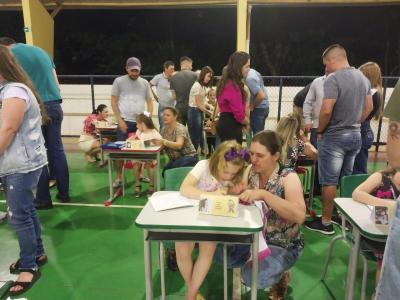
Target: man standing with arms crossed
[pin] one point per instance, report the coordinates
(259, 106)
(162, 83)
(347, 101)
(129, 96)
(181, 83)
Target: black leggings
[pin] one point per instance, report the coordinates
(229, 129)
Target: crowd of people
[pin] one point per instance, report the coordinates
(335, 108)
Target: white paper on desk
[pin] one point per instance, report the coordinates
(168, 200)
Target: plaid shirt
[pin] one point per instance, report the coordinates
(187, 148)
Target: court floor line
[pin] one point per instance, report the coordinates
(92, 205)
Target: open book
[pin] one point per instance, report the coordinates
(168, 200)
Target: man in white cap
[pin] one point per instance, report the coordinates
(129, 95)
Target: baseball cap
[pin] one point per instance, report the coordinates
(133, 63)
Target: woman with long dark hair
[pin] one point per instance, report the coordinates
(232, 98)
(197, 106)
(22, 158)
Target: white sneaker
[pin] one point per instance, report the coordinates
(3, 216)
(117, 183)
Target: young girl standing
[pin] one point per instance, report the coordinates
(289, 129)
(146, 132)
(380, 189)
(224, 168)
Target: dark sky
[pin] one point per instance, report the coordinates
(284, 41)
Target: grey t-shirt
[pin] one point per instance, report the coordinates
(162, 85)
(349, 87)
(132, 96)
(181, 83)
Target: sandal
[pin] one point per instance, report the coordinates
(25, 285)
(150, 190)
(138, 190)
(15, 267)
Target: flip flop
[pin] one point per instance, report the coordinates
(25, 285)
(14, 268)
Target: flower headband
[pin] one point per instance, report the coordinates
(233, 154)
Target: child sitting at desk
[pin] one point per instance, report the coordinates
(380, 189)
(88, 142)
(224, 168)
(146, 132)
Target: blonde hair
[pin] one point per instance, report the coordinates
(372, 71)
(218, 161)
(288, 128)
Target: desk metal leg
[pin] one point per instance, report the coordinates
(101, 148)
(311, 193)
(110, 182)
(254, 271)
(161, 262)
(158, 171)
(225, 272)
(147, 267)
(352, 268)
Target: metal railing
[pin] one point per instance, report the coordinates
(285, 88)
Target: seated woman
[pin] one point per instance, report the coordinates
(176, 142)
(212, 176)
(281, 191)
(88, 141)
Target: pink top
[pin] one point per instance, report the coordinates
(88, 126)
(231, 101)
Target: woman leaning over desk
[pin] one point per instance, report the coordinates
(282, 192)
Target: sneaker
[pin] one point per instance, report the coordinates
(3, 216)
(117, 183)
(316, 225)
(145, 179)
(63, 199)
(171, 260)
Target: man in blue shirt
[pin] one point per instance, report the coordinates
(259, 106)
(41, 70)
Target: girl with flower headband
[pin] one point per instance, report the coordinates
(213, 176)
(380, 189)
(146, 131)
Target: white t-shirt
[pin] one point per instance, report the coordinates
(206, 182)
(197, 90)
(17, 92)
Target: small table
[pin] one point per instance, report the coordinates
(186, 224)
(107, 131)
(358, 214)
(147, 153)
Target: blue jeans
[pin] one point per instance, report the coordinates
(270, 269)
(160, 115)
(361, 160)
(55, 155)
(131, 128)
(389, 288)
(20, 190)
(336, 154)
(184, 161)
(195, 126)
(257, 122)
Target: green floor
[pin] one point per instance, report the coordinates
(96, 252)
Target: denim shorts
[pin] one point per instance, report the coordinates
(122, 136)
(336, 154)
(270, 269)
